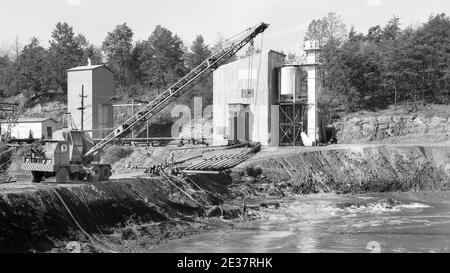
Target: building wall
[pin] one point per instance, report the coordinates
(250, 82)
(98, 87)
(21, 130)
(49, 123)
(102, 106)
(75, 79)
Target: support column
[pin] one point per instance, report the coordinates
(313, 121)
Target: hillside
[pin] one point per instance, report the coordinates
(404, 125)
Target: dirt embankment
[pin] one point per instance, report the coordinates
(136, 214)
(429, 125)
(357, 169)
(125, 215)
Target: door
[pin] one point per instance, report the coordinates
(49, 132)
(233, 126)
(247, 126)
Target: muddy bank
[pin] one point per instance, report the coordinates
(356, 169)
(115, 213)
(137, 214)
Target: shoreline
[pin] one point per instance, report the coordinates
(140, 213)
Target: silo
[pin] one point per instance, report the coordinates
(290, 107)
(289, 81)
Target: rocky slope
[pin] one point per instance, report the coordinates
(429, 125)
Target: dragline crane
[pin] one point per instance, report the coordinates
(72, 155)
(217, 59)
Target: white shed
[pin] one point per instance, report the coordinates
(25, 128)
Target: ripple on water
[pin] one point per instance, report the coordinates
(378, 206)
(337, 223)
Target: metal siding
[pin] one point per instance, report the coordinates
(98, 87)
(276, 61)
(102, 106)
(228, 82)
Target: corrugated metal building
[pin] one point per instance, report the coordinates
(25, 128)
(245, 95)
(96, 83)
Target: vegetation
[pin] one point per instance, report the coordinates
(142, 69)
(386, 66)
(115, 153)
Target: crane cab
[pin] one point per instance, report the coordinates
(64, 157)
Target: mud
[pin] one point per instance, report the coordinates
(138, 214)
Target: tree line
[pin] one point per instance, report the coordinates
(387, 65)
(142, 68)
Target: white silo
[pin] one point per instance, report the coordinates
(289, 81)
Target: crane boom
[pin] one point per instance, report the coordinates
(184, 84)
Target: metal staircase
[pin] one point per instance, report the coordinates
(184, 84)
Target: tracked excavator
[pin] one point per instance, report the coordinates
(72, 155)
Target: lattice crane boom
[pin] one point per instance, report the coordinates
(184, 84)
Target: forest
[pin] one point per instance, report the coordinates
(386, 66)
(390, 64)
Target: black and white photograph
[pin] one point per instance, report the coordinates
(242, 128)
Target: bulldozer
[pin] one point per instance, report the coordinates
(64, 157)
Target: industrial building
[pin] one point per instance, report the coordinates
(88, 91)
(26, 128)
(243, 92)
(261, 99)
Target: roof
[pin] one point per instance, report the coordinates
(29, 120)
(88, 67)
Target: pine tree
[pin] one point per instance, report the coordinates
(198, 53)
(118, 46)
(34, 73)
(65, 52)
(162, 58)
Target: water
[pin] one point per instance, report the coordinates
(392, 222)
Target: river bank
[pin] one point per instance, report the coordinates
(141, 213)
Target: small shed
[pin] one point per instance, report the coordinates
(90, 87)
(26, 128)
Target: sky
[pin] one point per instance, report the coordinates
(288, 19)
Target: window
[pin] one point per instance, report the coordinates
(247, 93)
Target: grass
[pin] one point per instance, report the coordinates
(116, 153)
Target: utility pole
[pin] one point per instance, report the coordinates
(82, 96)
